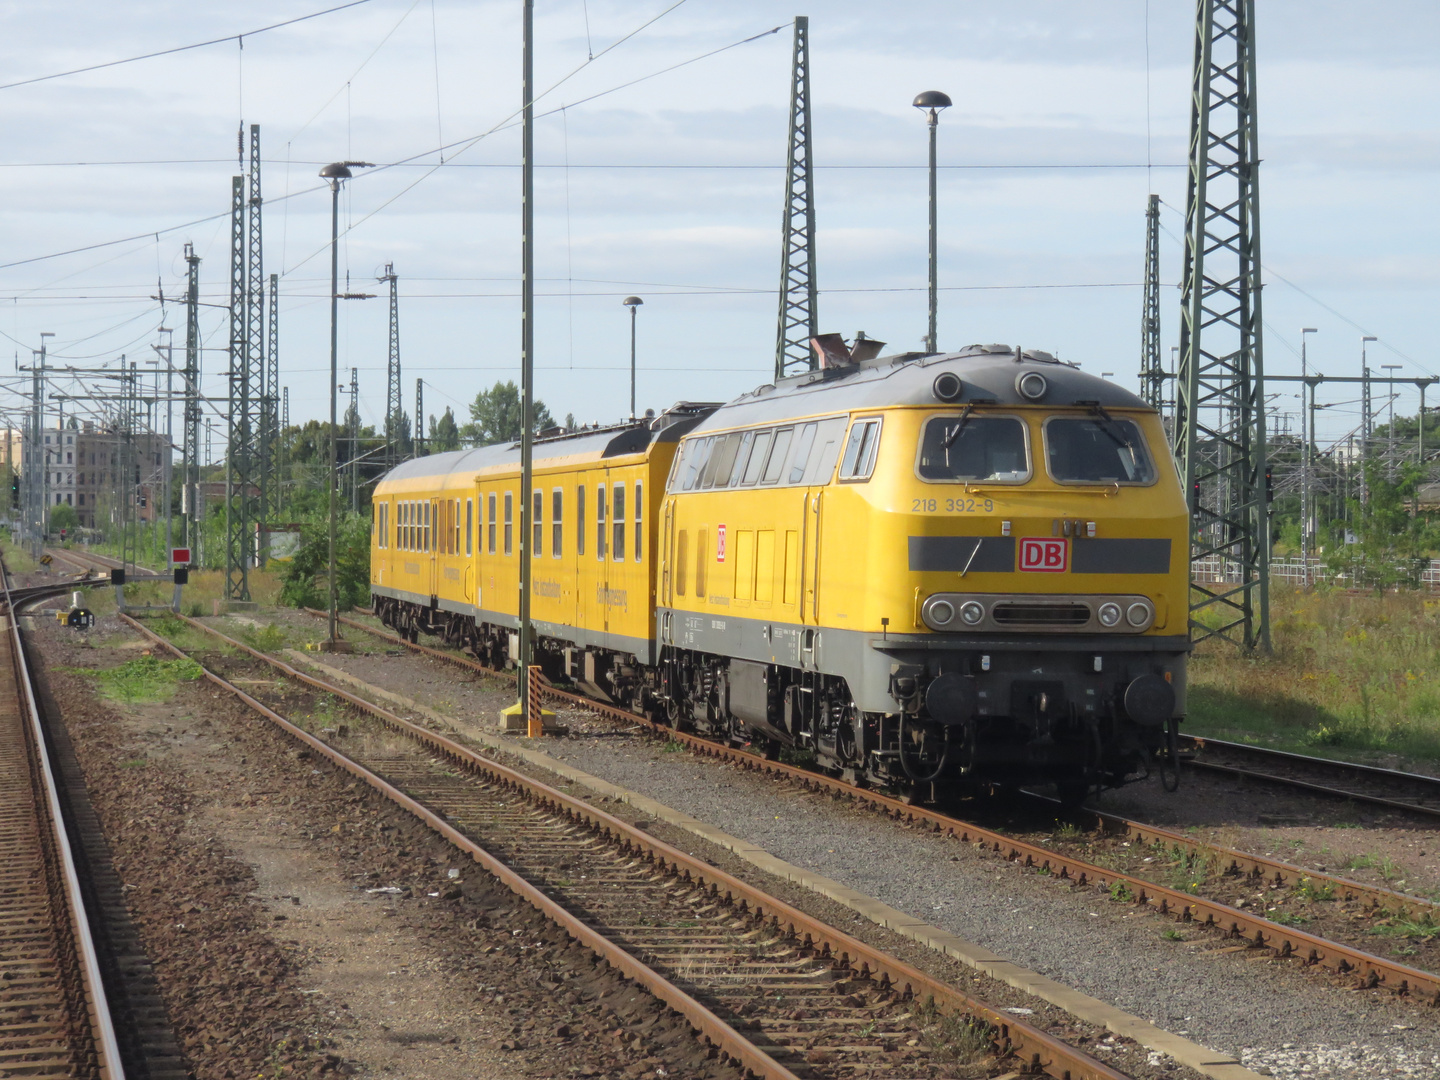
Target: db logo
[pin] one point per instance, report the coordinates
(1045, 556)
(720, 544)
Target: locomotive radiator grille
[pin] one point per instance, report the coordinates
(1047, 614)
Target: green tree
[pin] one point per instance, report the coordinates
(63, 517)
(444, 433)
(304, 577)
(1391, 545)
(495, 416)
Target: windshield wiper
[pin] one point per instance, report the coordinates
(1110, 426)
(954, 433)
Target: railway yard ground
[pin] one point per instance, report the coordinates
(299, 924)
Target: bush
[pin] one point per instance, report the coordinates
(305, 578)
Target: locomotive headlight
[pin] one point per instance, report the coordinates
(941, 612)
(1109, 613)
(972, 611)
(1139, 613)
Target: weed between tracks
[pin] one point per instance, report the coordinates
(146, 678)
(1355, 676)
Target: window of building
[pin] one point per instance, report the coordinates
(82, 498)
(639, 516)
(599, 521)
(69, 458)
(617, 506)
(537, 526)
(68, 501)
(509, 504)
(579, 519)
(557, 514)
(469, 526)
(490, 528)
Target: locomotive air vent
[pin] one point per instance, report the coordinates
(947, 386)
(1058, 613)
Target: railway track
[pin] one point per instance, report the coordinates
(54, 1014)
(781, 993)
(1413, 793)
(1069, 862)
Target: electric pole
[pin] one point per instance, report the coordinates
(799, 321)
(419, 436)
(191, 503)
(1152, 375)
(1220, 399)
(393, 406)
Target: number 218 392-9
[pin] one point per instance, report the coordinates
(952, 506)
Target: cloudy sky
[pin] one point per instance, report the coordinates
(1066, 116)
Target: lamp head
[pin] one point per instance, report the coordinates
(632, 302)
(934, 100)
(337, 170)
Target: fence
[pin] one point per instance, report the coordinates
(1291, 571)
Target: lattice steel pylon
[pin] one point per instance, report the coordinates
(393, 405)
(190, 499)
(270, 409)
(239, 463)
(252, 395)
(799, 319)
(1219, 404)
(1152, 375)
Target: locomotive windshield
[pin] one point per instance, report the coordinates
(1097, 450)
(968, 447)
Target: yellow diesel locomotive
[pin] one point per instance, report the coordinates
(942, 572)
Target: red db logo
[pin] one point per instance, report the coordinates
(1045, 556)
(720, 544)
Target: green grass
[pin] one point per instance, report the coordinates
(1350, 676)
(146, 678)
(267, 639)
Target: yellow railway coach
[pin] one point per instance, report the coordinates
(951, 570)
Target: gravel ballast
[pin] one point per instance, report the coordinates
(1273, 1016)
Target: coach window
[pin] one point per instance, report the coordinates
(455, 548)
(859, 460)
(600, 521)
(537, 521)
(639, 516)
(509, 514)
(617, 509)
(426, 543)
(1096, 450)
(579, 519)
(777, 455)
(557, 520)
(490, 524)
(469, 526)
(400, 521)
(757, 458)
(969, 448)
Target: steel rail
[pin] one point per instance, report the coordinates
(1389, 777)
(1259, 868)
(1288, 942)
(1033, 1046)
(108, 1061)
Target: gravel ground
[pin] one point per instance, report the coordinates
(301, 925)
(1267, 1013)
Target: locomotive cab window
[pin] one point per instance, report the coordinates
(1097, 450)
(859, 460)
(965, 447)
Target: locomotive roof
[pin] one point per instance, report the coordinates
(988, 373)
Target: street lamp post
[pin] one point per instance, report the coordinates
(934, 101)
(335, 173)
(633, 303)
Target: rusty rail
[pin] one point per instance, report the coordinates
(56, 1020)
(1034, 1047)
(1288, 942)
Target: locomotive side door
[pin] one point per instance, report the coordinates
(667, 549)
(810, 548)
